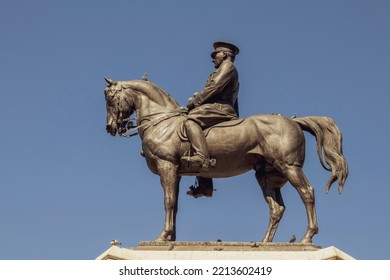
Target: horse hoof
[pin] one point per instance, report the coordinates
(306, 241)
(165, 236)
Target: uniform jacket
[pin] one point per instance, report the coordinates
(221, 87)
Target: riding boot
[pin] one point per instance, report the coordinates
(201, 159)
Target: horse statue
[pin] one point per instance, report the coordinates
(271, 145)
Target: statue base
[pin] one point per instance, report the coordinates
(153, 250)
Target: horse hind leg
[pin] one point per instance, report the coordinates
(299, 181)
(271, 184)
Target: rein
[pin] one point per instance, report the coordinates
(167, 115)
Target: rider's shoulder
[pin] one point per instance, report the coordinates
(227, 65)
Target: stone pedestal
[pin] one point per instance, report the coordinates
(152, 250)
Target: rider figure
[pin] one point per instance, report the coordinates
(216, 103)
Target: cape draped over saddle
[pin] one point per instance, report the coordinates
(159, 117)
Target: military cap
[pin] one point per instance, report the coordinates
(226, 47)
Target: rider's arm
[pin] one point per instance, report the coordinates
(215, 84)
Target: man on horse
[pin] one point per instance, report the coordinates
(216, 103)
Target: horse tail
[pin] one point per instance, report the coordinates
(329, 144)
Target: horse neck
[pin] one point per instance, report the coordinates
(151, 100)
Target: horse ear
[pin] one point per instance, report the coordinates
(110, 82)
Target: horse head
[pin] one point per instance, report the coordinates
(124, 97)
(120, 106)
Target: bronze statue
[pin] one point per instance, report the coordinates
(271, 145)
(216, 103)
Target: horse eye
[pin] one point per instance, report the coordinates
(110, 96)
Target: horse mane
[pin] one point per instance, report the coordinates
(146, 86)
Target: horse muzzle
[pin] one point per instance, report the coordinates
(111, 128)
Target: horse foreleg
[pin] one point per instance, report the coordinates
(170, 184)
(301, 184)
(270, 185)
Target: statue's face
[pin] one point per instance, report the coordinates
(218, 59)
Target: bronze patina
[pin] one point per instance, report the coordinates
(271, 145)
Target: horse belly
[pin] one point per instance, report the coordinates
(233, 148)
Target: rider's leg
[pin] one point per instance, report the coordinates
(201, 158)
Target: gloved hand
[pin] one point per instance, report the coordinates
(194, 101)
(191, 103)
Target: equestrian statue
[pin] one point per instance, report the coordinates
(208, 140)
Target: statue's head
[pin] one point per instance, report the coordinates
(119, 107)
(222, 51)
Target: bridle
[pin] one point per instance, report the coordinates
(125, 107)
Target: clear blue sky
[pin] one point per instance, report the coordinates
(68, 188)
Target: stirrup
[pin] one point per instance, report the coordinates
(199, 191)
